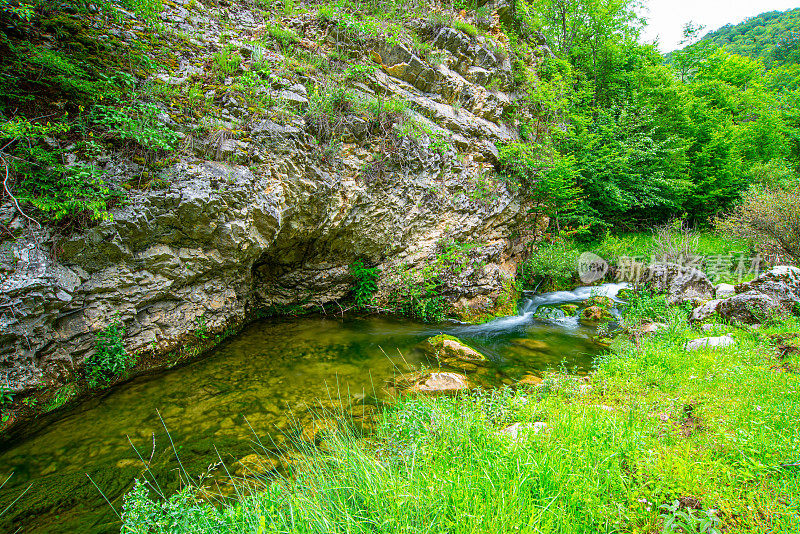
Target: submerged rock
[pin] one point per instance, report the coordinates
(452, 352)
(431, 383)
(318, 427)
(536, 345)
(256, 464)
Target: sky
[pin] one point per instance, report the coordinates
(667, 17)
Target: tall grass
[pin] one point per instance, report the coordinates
(664, 440)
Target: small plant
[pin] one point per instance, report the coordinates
(110, 359)
(679, 520)
(366, 283)
(465, 27)
(226, 62)
(359, 72)
(6, 396)
(201, 332)
(138, 123)
(285, 37)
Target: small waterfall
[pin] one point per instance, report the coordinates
(531, 304)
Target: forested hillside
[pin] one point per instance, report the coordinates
(771, 36)
(638, 141)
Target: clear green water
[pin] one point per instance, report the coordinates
(271, 375)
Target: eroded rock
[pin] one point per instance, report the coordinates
(680, 283)
(773, 293)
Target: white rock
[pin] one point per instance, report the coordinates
(516, 430)
(724, 290)
(710, 342)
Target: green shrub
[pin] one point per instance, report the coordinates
(359, 72)
(548, 179)
(59, 191)
(366, 283)
(110, 360)
(551, 266)
(138, 123)
(768, 217)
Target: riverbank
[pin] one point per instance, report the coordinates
(662, 439)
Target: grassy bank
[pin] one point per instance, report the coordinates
(662, 441)
(551, 265)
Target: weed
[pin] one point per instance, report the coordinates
(110, 360)
(226, 62)
(366, 283)
(6, 396)
(678, 519)
(201, 331)
(285, 37)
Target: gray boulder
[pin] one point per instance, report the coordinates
(775, 292)
(681, 283)
(704, 311)
(781, 282)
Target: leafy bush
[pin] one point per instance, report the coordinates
(768, 216)
(110, 359)
(59, 191)
(366, 283)
(548, 179)
(138, 123)
(551, 266)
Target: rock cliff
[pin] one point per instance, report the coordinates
(271, 200)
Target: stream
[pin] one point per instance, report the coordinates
(256, 389)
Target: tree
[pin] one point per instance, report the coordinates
(769, 217)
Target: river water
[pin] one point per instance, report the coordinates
(255, 391)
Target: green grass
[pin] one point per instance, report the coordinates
(715, 429)
(645, 245)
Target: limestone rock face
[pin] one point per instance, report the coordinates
(681, 283)
(263, 214)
